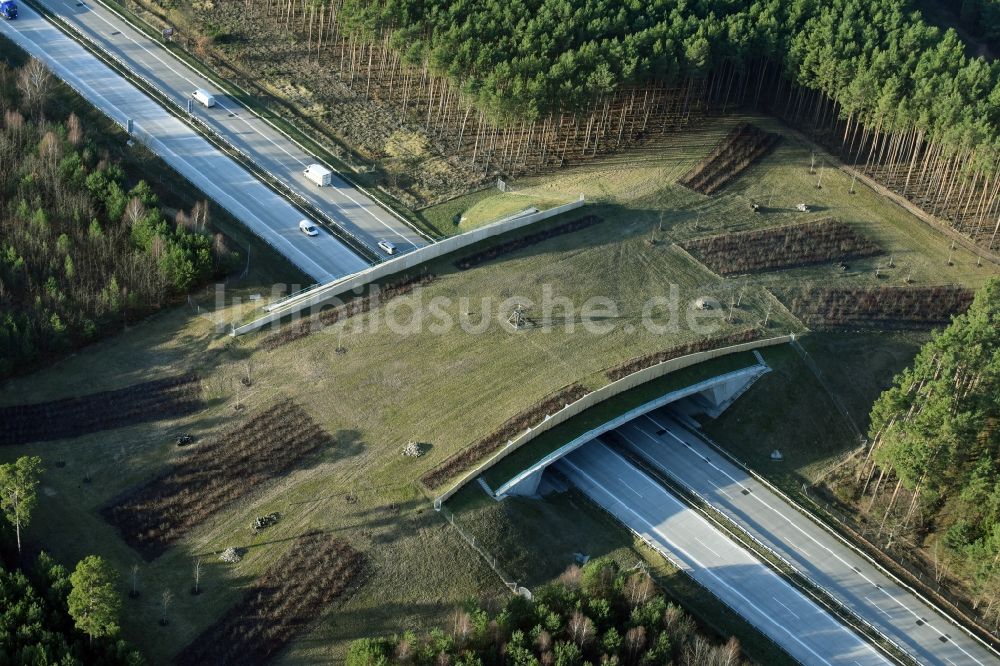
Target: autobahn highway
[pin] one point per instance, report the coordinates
(813, 550)
(271, 150)
(805, 630)
(263, 211)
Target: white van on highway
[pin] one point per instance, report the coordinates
(318, 174)
(202, 96)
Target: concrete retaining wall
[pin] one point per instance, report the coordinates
(602, 394)
(322, 293)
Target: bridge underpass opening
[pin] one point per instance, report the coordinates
(709, 397)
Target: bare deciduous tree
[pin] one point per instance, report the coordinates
(698, 652)
(134, 211)
(461, 627)
(134, 593)
(199, 216)
(197, 577)
(678, 624)
(165, 598)
(571, 577)
(50, 150)
(581, 629)
(74, 130)
(13, 121)
(938, 569)
(219, 246)
(35, 83)
(404, 651)
(639, 588)
(247, 378)
(729, 654)
(635, 642)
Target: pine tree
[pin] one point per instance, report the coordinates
(94, 602)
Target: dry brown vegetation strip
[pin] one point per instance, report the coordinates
(212, 475)
(877, 307)
(781, 247)
(517, 244)
(641, 362)
(315, 571)
(354, 307)
(744, 145)
(72, 417)
(531, 417)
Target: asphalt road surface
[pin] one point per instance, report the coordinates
(816, 553)
(266, 213)
(271, 150)
(805, 630)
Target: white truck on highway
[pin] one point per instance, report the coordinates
(318, 174)
(202, 96)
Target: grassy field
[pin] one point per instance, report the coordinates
(789, 409)
(442, 388)
(778, 184)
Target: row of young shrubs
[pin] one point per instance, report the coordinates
(352, 308)
(316, 571)
(744, 145)
(214, 475)
(514, 426)
(704, 344)
(781, 247)
(877, 308)
(518, 244)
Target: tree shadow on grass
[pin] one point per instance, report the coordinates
(382, 620)
(346, 443)
(619, 223)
